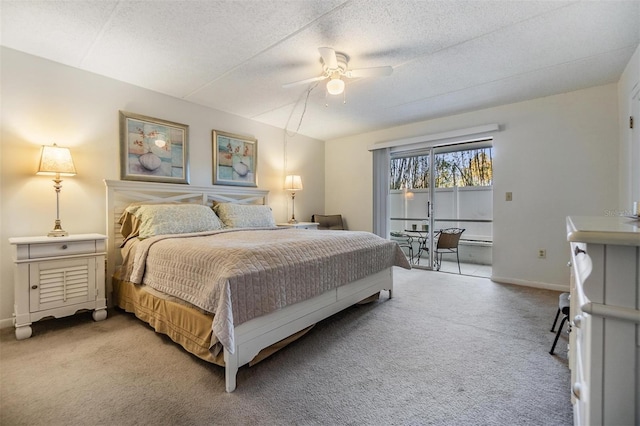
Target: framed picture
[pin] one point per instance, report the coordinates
(153, 150)
(235, 159)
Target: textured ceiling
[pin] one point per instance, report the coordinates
(447, 56)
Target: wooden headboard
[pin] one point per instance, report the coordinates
(121, 193)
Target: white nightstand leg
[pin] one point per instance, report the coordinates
(99, 314)
(23, 332)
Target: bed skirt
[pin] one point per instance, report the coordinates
(185, 325)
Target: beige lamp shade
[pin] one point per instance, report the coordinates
(293, 183)
(56, 160)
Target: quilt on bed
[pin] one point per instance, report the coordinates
(240, 274)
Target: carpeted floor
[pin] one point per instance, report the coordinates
(446, 350)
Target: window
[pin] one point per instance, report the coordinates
(454, 168)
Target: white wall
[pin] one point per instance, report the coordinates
(44, 102)
(558, 155)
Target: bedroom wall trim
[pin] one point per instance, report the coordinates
(534, 284)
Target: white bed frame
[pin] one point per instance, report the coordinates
(254, 335)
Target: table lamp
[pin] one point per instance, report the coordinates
(293, 183)
(56, 161)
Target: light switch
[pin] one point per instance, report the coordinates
(509, 196)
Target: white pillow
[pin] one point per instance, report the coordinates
(245, 215)
(174, 219)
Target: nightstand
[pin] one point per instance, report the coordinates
(57, 276)
(299, 225)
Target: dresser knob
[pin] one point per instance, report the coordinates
(576, 389)
(64, 247)
(577, 320)
(33, 287)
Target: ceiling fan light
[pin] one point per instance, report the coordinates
(335, 86)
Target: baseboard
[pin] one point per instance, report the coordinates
(534, 284)
(6, 323)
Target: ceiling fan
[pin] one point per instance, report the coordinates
(335, 67)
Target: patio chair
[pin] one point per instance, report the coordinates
(331, 221)
(448, 240)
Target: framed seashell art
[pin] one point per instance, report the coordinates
(153, 150)
(235, 159)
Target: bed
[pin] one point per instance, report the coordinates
(230, 287)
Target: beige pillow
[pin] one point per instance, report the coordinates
(245, 215)
(161, 219)
(130, 225)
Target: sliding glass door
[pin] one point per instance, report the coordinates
(442, 187)
(411, 221)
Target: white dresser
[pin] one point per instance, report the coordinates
(604, 348)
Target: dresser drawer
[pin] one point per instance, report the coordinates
(61, 248)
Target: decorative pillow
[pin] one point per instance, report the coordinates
(245, 215)
(160, 219)
(130, 225)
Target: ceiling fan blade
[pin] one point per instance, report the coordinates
(306, 81)
(370, 72)
(328, 57)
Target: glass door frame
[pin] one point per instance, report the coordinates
(428, 239)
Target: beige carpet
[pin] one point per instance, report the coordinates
(446, 350)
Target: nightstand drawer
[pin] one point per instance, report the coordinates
(61, 249)
(307, 226)
(299, 225)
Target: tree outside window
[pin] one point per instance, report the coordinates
(472, 167)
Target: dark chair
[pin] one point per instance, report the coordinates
(563, 307)
(448, 240)
(404, 241)
(331, 221)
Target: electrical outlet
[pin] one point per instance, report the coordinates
(509, 196)
(542, 254)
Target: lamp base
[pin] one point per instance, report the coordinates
(293, 220)
(57, 230)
